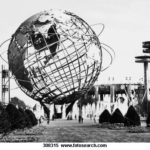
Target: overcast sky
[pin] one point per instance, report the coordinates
(127, 25)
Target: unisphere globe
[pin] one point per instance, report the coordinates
(55, 56)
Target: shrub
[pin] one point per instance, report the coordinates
(117, 117)
(105, 116)
(132, 118)
(17, 102)
(32, 117)
(146, 106)
(136, 130)
(26, 120)
(1, 108)
(148, 120)
(5, 124)
(14, 117)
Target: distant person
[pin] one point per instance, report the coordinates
(53, 117)
(48, 120)
(40, 120)
(91, 116)
(75, 117)
(94, 118)
(80, 119)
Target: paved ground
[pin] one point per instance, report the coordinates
(72, 131)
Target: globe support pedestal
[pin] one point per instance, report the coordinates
(80, 113)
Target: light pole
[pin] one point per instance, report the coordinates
(112, 92)
(145, 59)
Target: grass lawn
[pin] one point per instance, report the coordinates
(72, 131)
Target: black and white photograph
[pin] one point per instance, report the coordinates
(75, 72)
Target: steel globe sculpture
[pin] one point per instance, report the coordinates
(55, 56)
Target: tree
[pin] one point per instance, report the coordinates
(105, 116)
(32, 117)
(25, 119)
(14, 117)
(17, 102)
(87, 99)
(117, 117)
(132, 118)
(5, 124)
